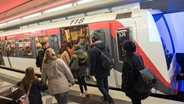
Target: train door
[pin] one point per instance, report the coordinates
(54, 43)
(127, 32)
(103, 30)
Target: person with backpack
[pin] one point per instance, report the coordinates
(39, 58)
(96, 67)
(130, 72)
(81, 57)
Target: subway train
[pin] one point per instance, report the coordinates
(154, 44)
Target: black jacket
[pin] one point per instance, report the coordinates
(95, 63)
(130, 72)
(35, 92)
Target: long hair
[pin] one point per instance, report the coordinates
(49, 56)
(62, 49)
(28, 78)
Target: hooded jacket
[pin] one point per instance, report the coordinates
(95, 63)
(82, 57)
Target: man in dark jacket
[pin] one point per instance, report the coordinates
(96, 68)
(40, 55)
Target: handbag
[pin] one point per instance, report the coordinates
(145, 79)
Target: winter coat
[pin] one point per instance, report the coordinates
(82, 57)
(129, 76)
(95, 62)
(58, 74)
(35, 92)
(65, 56)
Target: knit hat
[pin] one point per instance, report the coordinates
(129, 46)
(95, 36)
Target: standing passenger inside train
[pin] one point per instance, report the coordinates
(39, 58)
(83, 42)
(81, 57)
(69, 46)
(96, 68)
(130, 64)
(57, 74)
(1, 58)
(64, 54)
(69, 43)
(32, 87)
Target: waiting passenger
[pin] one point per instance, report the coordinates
(83, 42)
(1, 58)
(32, 87)
(129, 76)
(81, 57)
(69, 43)
(64, 54)
(96, 68)
(39, 58)
(57, 73)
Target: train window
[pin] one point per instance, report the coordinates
(10, 47)
(39, 40)
(25, 47)
(122, 35)
(54, 43)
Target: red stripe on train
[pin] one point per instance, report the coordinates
(35, 33)
(148, 63)
(112, 25)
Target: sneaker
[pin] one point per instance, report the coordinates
(86, 94)
(82, 95)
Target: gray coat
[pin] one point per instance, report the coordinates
(57, 73)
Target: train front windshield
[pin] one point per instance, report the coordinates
(165, 36)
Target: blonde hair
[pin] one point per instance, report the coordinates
(49, 56)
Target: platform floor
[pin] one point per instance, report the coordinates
(74, 98)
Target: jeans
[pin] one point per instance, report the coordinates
(102, 84)
(82, 83)
(62, 98)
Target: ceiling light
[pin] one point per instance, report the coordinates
(58, 8)
(2, 24)
(14, 20)
(32, 15)
(84, 1)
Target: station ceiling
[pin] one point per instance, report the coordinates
(12, 9)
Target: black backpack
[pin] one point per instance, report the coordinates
(106, 59)
(39, 58)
